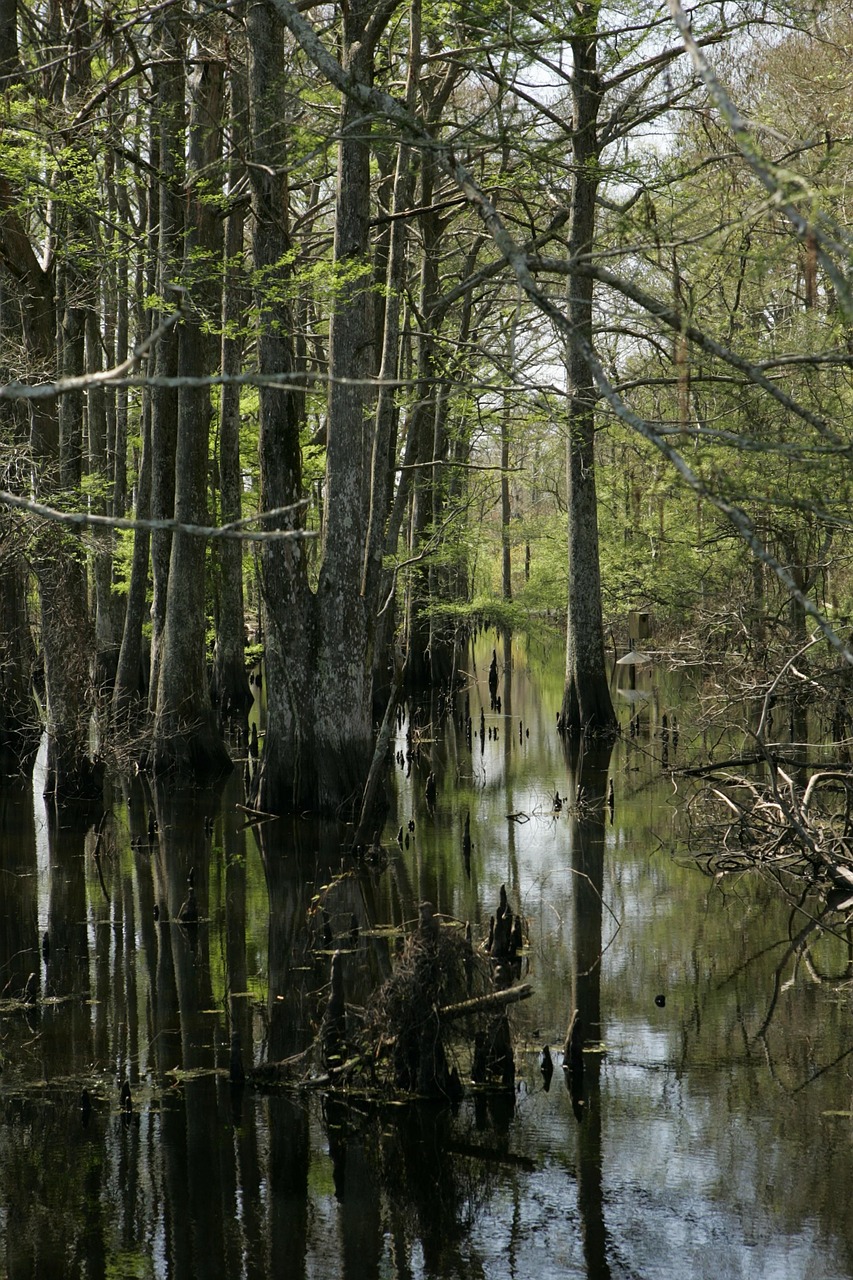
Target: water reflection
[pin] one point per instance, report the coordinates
(709, 1135)
(588, 776)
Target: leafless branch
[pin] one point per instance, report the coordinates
(236, 530)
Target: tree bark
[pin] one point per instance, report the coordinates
(186, 739)
(106, 645)
(343, 704)
(128, 686)
(169, 135)
(133, 668)
(19, 728)
(587, 706)
(285, 781)
(230, 681)
(319, 647)
(63, 590)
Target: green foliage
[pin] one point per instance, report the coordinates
(122, 561)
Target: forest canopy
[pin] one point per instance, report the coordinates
(329, 332)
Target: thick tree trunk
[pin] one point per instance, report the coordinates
(587, 706)
(9, 61)
(186, 738)
(67, 648)
(67, 641)
(319, 652)
(286, 779)
(387, 409)
(431, 641)
(343, 703)
(57, 557)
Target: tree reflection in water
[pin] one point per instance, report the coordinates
(688, 1117)
(588, 768)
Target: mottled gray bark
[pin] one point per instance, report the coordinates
(286, 778)
(133, 669)
(169, 131)
(19, 730)
(421, 437)
(66, 636)
(186, 740)
(106, 643)
(587, 706)
(230, 681)
(429, 639)
(343, 707)
(9, 60)
(320, 646)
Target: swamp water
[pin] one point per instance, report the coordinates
(713, 1135)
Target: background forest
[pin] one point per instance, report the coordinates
(341, 336)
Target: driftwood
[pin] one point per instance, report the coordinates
(444, 998)
(484, 1004)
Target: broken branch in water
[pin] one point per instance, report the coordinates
(482, 1004)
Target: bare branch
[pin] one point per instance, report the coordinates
(236, 530)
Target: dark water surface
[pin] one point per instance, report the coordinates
(713, 1137)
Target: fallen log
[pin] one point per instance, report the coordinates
(483, 1004)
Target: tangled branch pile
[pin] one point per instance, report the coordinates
(801, 827)
(440, 1017)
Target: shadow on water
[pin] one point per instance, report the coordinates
(152, 957)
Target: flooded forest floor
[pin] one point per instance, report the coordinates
(188, 1087)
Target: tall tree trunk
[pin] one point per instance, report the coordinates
(506, 511)
(430, 641)
(343, 704)
(132, 670)
(106, 646)
(320, 648)
(587, 706)
(19, 729)
(186, 738)
(10, 66)
(286, 779)
(419, 634)
(128, 681)
(61, 570)
(383, 465)
(170, 143)
(57, 556)
(230, 681)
